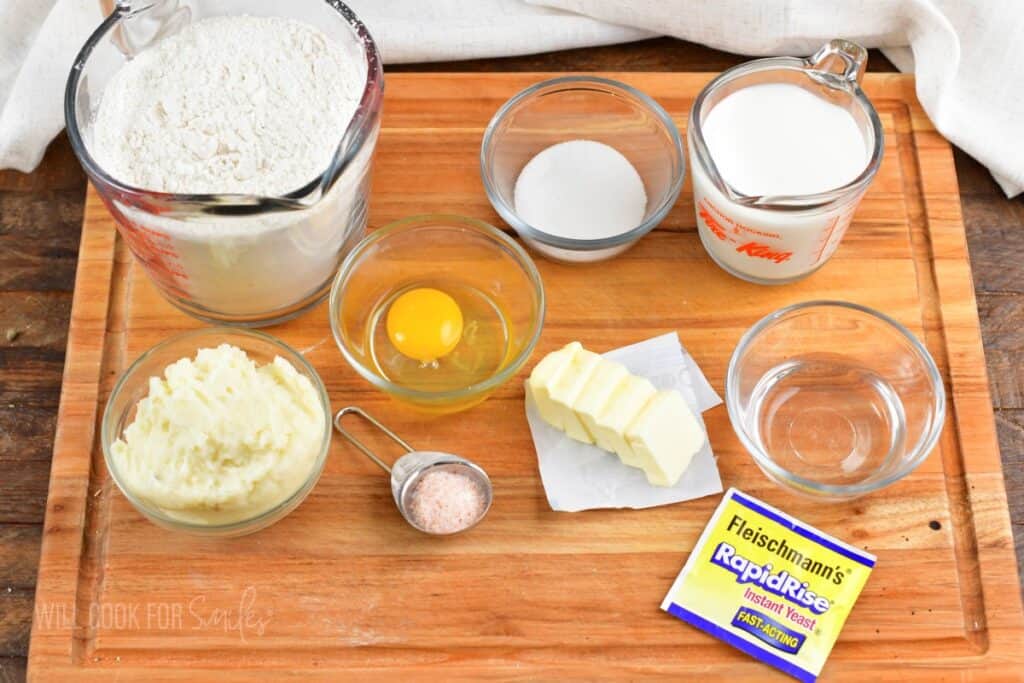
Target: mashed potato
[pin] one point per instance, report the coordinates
(219, 439)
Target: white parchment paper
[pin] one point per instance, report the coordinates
(581, 477)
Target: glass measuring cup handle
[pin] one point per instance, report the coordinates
(353, 410)
(841, 59)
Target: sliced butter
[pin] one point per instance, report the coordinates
(625, 404)
(565, 390)
(543, 376)
(593, 399)
(665, 436)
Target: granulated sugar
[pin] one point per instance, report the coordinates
(233, 104)
(581, 189)
(445, 502)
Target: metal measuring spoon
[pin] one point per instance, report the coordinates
(410, 468)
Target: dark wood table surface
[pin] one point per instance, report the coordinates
(40, 226)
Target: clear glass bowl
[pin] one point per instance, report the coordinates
(133, 386)
(834, 400)
(437, 247)
(233, 259)
(574, 108)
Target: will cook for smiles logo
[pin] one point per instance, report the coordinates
(242, 617)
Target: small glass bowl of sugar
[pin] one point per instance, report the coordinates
(582, 167)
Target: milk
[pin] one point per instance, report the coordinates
(779, 139)
(776, 139)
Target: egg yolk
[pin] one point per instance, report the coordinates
(424, 324)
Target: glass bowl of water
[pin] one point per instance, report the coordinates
(834, 400)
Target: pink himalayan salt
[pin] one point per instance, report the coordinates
(444, 502)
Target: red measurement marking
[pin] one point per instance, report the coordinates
(713, 225)
(154, 250)
(828, 236)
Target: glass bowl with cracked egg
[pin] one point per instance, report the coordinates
(217, 431)
(437, 311)
(582, 167)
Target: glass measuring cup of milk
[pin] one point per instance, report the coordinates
(779, 170)
(234, 258)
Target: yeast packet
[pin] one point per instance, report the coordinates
(769, 585)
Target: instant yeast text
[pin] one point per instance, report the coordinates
(769, 585)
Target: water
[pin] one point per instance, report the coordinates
(481, 352)
(825, 418)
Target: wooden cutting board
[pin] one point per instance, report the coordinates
(344, 586)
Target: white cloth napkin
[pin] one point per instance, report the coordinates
(577, 476)
(38, 43)
(966, 55)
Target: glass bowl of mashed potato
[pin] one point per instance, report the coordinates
(218, 431)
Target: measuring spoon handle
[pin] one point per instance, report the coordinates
(359, 444)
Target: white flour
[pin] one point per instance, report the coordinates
(238, 104)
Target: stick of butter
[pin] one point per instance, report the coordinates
(595, 400)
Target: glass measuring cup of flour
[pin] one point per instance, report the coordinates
(410, 472)
(833, 399)
(775, 239)
(233, 258)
